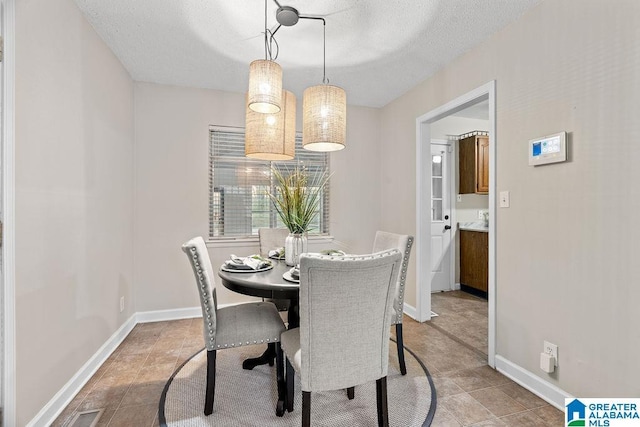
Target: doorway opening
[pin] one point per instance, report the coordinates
(433, 235)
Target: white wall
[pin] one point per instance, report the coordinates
(566, 248)
(74, 197)
(171, 187)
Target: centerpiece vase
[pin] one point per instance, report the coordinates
(294, 245)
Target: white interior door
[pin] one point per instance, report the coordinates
(441, 233)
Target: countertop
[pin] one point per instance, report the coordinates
(473, 226)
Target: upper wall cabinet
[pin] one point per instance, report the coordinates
(474, 165)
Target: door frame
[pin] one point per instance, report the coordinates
(8, 215)
(423, 206)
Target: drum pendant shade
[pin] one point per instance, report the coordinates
(272, 136)
(265, 86)
(324, 110)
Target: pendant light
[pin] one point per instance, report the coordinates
(265, 86)
(265, 78)
(324, 110)
(272, 136)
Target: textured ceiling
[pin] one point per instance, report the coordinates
(376, 49)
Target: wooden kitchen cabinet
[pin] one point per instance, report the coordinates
(473, 168)
(474, 262)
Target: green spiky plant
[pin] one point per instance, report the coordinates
(296, 199)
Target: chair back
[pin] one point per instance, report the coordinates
(345, 311)
(271, 238)
(403, 243)
(198, 255)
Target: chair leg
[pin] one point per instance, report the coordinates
(290, 376)
(351, 393)
(282, 387)
(211, 382)
(306, 409)
(400, 345)
(272, 351)
(381, 398)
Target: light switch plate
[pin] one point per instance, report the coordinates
(504, 199)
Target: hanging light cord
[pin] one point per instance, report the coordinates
(325, 80)
(269, 40)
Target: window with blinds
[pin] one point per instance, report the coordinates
(238, 186)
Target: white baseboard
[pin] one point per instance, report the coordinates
(163, 315)
(56, 405)
(410, 311)
(536, 385)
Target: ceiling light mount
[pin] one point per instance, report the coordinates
(287, 15)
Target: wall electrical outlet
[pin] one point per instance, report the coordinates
(459, 197)
(551, 349)
(121, 304)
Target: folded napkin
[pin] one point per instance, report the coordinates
(277, 253)
(252, 262)
(335, 252)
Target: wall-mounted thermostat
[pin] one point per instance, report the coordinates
(550, 149)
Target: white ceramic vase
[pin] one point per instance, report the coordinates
(294, 245)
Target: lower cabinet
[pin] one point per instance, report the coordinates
(474, 261)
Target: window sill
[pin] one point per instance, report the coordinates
(230, 242)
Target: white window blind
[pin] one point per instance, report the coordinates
(238, 186)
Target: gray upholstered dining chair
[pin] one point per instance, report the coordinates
(270, 239)
(343, 338)
(403, 243)
(231, 326)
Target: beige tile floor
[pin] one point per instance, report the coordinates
(469, 393)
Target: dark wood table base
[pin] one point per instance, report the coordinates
(268, 356)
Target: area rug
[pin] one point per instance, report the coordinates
(248, 398)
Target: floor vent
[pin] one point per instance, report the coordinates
(86, 418)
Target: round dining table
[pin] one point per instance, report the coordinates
(265, 284)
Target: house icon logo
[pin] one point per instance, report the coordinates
(576, 413)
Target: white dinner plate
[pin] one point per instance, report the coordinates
(289, 278)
